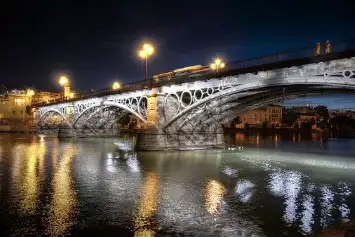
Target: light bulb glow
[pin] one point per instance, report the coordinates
(116, 86)
(63, 80)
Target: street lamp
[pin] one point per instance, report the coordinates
(72, 95)
(218, 64)
(64, 81)
(144, 53)
(116, 86)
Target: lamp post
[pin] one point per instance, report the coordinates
(144, 53)
(64, 81)
(217, 64)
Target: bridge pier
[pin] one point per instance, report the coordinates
(154, 138)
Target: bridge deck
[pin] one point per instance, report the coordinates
(275, 61)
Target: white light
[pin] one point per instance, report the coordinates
(307, 214)
(133, 163)
(244, 190)
(230, 172)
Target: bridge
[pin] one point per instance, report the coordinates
(188, 112)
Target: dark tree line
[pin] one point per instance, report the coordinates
(3, 89)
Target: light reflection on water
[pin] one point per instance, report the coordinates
(67, 187)
(144, 223)
(63, 204)
(214, 195)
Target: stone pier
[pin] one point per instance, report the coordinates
(154, 138)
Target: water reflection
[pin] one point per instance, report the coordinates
(63, 203)
(292, 186)
(28, 172)
(292, 189)
(144, 221)
(172, 193)
(327, 199)
(307, 219)
(213, 196)
(132, 162)
(344, 193)
(244, 190)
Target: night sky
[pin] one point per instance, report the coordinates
(96, 42)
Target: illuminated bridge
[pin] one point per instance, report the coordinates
(188, 112)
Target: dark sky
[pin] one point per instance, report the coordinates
(96, 42)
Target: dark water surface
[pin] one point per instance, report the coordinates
(276, 186)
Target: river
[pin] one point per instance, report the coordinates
(276, 186)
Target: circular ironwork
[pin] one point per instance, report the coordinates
(347, 74)
(186, 101)
(198, 94)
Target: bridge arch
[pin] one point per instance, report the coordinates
(222, 107)
(104, 105)
(50, 119)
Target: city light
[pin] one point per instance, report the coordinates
(63, 80)
(30, 92)
(218, 64)
(144, 53)
(116, 86)
(72, 95)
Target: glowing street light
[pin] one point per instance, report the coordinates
(144, 53)
(116, 86)
(218, 64)
(64, 81)
(72, 95)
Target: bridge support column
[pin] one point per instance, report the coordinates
(66, 132)
(154, 138)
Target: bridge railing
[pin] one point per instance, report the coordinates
(305, 55)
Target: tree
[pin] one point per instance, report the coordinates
(342, 122)
(3, 89)
(323, 114)
(236, 121)
(289, 117)
(264, 125)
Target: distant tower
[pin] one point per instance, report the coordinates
(328, 47)
(317, 49)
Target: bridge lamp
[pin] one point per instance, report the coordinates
(217, 64)
(144, 53)
(64, 81)
(116, 86)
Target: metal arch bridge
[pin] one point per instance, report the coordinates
(177, 114)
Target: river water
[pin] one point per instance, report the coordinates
(277, 186)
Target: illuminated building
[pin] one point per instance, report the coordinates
(272, 114)
(45, 97)
(15, 110)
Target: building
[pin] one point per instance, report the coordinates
(45, 97)
(271, 114)
(15, 110)
(307, 114)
